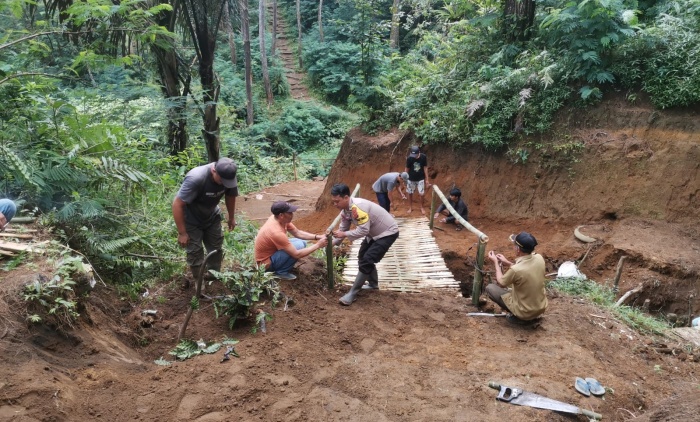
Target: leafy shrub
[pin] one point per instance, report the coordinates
(584, 33)
(56, 301)
(247, 285)
(333, 68)
(664, 60)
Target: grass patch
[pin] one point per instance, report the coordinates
(604, 297)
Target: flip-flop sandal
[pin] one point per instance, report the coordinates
(595, 387)
(582, 387)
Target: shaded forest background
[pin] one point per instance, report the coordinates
(105, 105)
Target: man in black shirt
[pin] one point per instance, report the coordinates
(417, 169)
(456, 202)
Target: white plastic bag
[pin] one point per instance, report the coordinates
(569, 269)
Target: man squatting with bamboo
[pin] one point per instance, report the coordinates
(275, 250)
(527, 299)
(456, 202)
(197, 215)
(374, 224)
(385, 186)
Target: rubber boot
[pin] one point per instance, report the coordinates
(373, 282)
(188, 281)
(350, 297)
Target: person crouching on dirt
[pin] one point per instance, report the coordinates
(8, 209)
(197, 215)
(456, 202)
(275, 250)
(526, 300)
(374, 224)
(384, 188)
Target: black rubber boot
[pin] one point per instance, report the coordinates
(188, 281)
(351, 296)
(373, 282)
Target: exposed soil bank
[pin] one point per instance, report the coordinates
(629, 174)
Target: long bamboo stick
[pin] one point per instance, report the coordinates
(330, 266)
(458, 217)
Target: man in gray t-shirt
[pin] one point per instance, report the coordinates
(197, 215)
(384, 187)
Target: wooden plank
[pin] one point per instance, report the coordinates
(19, 247)
(6, 253)
(22, 230)
(17, 235)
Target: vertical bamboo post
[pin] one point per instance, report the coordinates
(329, 262)
(329, 248)
(294, 165)
(432, 208)
(478, 272)
(618, 274)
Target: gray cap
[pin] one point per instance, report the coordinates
(227, 169)
(404, 176)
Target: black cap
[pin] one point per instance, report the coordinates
(456, 192)
(415, 149)
(227, 169)
(525, 241)
(280, 207)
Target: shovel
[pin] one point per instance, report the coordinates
(524, 398)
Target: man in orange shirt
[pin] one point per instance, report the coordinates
(277, 252)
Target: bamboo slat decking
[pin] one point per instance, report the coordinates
(414, 262)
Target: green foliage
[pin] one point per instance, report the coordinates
(247, 285)
(55, 301)
(605, 297)
(664, 60)
(333, 68)
(187, 349)
(585, 33)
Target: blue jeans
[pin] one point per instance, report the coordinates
(383, 199)
(8, 209)
(281, 262)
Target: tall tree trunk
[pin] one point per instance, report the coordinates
(263, 52)
(210, 95)
(273, 47)
(299, 49)
(320, 20)
(394, 34)
(169, 73)
(518, 18)
(228, 27)
(245, 32)
(204, 20)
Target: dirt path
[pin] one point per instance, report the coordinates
(291, 62)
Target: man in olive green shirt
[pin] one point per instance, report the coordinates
(527, 299)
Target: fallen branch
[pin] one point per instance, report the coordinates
(628, 294)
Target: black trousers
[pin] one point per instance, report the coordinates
(372, 251)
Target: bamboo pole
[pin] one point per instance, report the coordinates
(329, 248)
(198, 292)
(294, 165)
(478, 272)
(432, 209)
(458, 217)
(618, 274)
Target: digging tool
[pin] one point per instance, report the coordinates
(524, 398)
